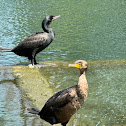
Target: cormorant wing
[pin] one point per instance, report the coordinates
(34, 40)
(60, 99)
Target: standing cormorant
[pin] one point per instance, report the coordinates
(62, 105)
(35, 43)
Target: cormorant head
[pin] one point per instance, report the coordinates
(80, 64)
(49, 19)
(46, 22)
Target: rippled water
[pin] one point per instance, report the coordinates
(90, 30)
(105, 105)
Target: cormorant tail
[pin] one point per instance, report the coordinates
(4, 49)
(33, 110)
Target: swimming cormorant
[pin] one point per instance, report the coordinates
(35, 43)
(62, 105)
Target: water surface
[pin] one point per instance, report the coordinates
(90, 30)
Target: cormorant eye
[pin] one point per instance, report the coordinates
(51, 17)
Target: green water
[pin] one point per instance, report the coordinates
(89, 30)
(105, 105)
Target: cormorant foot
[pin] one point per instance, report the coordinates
(31, 66)
(38, 65)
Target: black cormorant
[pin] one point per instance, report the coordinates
(35, 43)
(62, 105)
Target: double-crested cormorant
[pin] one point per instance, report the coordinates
(62, 105)
(35, 43)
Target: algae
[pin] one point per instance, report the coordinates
(33, 84)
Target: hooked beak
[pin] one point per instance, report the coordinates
(55, 17)
(77, 65)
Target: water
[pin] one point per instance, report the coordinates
(10, 100)
(106, 104)
(90, 30)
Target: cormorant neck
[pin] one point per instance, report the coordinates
(46, 28)
(83, 72)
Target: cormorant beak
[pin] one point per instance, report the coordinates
(77, 65)
(55, 17)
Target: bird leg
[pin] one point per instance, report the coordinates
(64, 124)
(33, 59)
(35, 62)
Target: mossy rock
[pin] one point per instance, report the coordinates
(33, 84)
